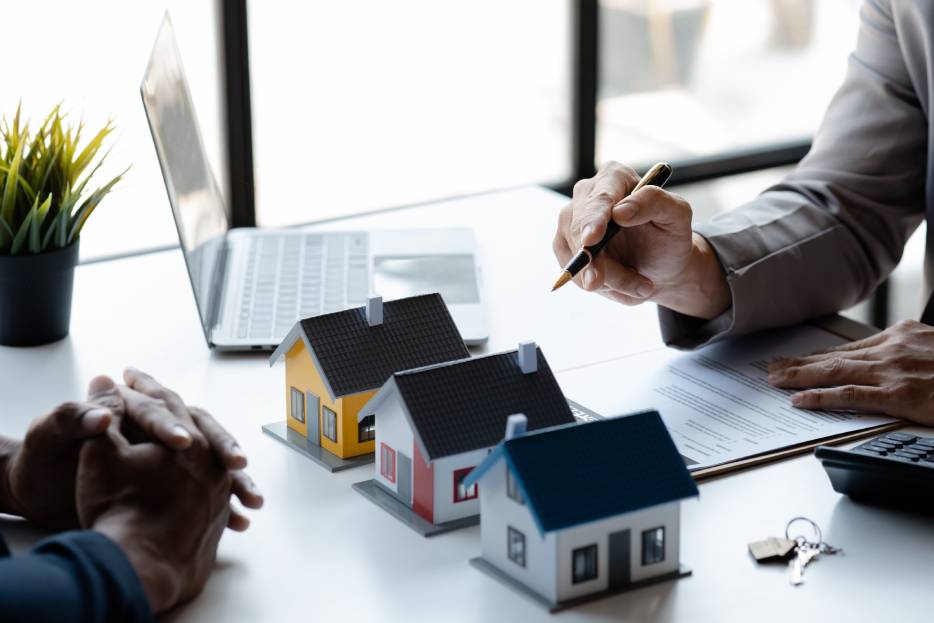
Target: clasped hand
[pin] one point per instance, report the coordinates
(137, 464)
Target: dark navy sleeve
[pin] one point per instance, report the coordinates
(74, 577)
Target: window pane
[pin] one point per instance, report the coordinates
(653, 546)
(367, 104)
(584, 564)
(515, 542)
(684, 78)
(512, 488)
(91, 56)
(297, 400)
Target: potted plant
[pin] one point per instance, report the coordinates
(44, 203)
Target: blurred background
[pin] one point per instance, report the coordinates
(365, 105)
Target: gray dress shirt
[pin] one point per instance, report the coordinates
(824, 237)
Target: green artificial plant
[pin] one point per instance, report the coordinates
(43, 203)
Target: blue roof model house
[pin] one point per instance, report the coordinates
(574, 512)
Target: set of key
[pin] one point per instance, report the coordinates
(798, 550)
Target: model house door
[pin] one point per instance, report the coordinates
(404, 480)
(620, 559)
(312, 418)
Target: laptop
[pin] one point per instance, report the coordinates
(251, 285)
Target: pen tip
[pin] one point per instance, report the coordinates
(561, 280)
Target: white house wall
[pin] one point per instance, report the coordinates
(499, 512)
(598, 532)
(392, 428)
(445, 507)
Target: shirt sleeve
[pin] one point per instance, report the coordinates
(74, 577)
(833, 229)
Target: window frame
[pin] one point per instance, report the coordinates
(387, 452)
(513, 492)
(654, 545)
(591, 554)
(366, 431)
(459, 476)
(329, 418)
(293, 392)
(516, 536)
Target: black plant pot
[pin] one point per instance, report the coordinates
(35, 296)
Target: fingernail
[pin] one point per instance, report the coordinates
(797, 400)
(625, 211)
(644, 289)
(100, 385)
(180, 431)
(587, 232)
(93, 419)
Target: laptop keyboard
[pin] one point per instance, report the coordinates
(292, 277)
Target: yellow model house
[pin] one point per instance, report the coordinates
(334, 363)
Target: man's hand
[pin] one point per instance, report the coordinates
(891, 373)
(165, 509)
(655, 256)
(154, 404)
(39, 479)
(37, 476)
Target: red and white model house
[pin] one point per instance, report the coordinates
(435, 424)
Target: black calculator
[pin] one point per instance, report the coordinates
(894, 469)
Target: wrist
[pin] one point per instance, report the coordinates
(8, 450)
(701, 290)
(157, 577)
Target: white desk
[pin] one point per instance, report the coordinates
(321, 552)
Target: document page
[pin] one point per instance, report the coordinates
(716, 402)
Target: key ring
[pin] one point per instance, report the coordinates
(814, 527)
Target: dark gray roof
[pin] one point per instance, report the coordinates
(463, 405)
(355, 357)
(581, 473)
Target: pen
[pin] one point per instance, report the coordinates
(656, 176)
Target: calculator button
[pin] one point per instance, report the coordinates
(885, 443)
(907, 456)
(870, 451)
(919, 448)
(904, 437)
(925, 441)
(879, 449)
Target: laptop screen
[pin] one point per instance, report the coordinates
(197, 204)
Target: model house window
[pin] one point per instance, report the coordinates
(653, 546)
(366, 429)
(512, 488)
(462, 493)
(297, 405)
(329, 424)
(584, 564)
(387, 462)
(515, 546)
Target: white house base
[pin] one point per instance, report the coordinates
(280, 431)
(492, 571)
(376, 494)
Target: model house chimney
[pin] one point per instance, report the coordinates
(374, 311)
(528, 357)
(516, 425)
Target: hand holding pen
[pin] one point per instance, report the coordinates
(640, 244)
(656, 176)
